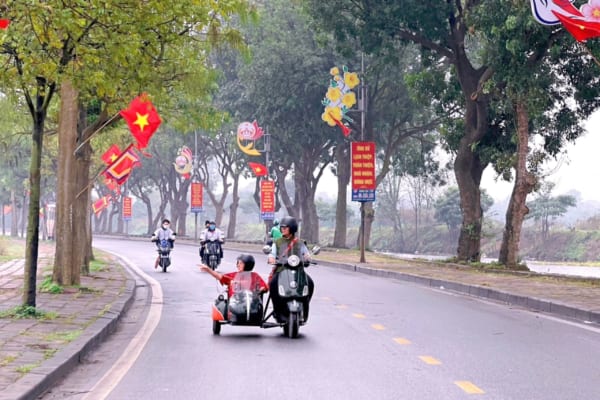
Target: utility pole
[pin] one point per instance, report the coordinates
(363, 110)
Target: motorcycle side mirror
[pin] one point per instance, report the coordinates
(266, 249)
(316, 250)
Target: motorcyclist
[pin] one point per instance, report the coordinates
(274, 233)
(287, 244)
(163, 233)
(211, 233)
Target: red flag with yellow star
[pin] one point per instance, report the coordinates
(111, 154)
(258, 169)
(142, 119)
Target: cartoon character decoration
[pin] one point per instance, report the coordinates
(249, 132)
(184, 162)
(582, 23)
(340, 98)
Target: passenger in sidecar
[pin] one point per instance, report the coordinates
(245, 289)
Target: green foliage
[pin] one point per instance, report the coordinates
(49, 286)
(64, 336)
(97, 265)
(24, 311)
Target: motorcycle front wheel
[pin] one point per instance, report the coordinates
(292, 326)
(213, 262)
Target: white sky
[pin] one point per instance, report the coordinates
(577, 171)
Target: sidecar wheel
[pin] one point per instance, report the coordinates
(216, 328)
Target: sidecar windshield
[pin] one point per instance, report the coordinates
(245, 281)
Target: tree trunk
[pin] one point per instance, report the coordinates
(524, 184)
(14, 220)
(235, 203)
(468, 170)
(38, 111)
(82, 241)
(64, 272)
(342, 155)
(309, 219)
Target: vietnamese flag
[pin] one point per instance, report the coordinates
(258, 169)
(142, 119)
(111, 154)
(120, 170)
(581, 29)
(4, 23)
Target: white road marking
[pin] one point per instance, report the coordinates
(113, 376)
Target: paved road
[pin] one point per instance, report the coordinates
(368, 337)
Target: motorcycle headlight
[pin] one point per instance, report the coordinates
(293, 260)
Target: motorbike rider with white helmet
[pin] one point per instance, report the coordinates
(163, 233)
(210, 234)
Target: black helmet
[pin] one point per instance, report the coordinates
(275, 222)
(291, 223)
(248, 261)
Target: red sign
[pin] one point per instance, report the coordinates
(196, 197)
(127, 208)
(267, 196)
(363, 165)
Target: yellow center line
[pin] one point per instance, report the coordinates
(378, 327)
(468, 387)
(341, 306)
(361, 316)
(400, 340)
(430, 360)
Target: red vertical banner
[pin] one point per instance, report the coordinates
(267, 200)
(363, 171)
(127, 212)
(196, 197)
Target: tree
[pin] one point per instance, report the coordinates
(283, 89)
(441, 31)
(459, 76)
(536, 90)
(52, 42)
(545, 208)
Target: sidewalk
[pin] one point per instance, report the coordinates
(35, 353)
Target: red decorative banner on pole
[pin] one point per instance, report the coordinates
(196, 197)
(127, 212)
(363, 171)
(267, 200)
